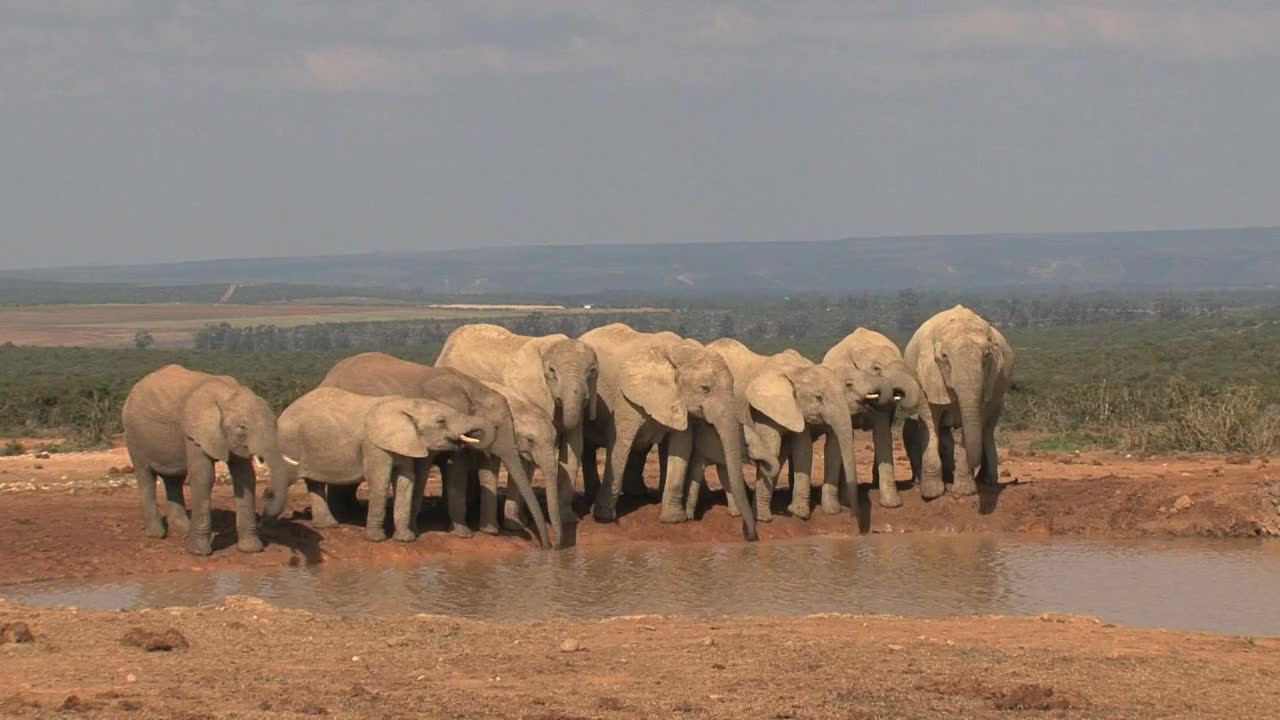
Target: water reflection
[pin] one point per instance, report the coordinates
(1221, 586)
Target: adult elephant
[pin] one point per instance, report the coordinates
(653, 387)
(177, 424)
(379, 374)
(965, 366)
(556, 373)
(536, 441)
(332, 437)
(871, 352)
(793, 400)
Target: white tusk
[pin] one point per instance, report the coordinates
(872, 396)
(288, 459)
(469, 440)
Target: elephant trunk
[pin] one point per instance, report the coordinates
(840, 440)
(548, 461)
(504, 448)
(277, 495)
(476, 433)
(903, 386)
(969, 398)
(572, 405)
(729, 429)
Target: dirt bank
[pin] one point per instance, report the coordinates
(245, 659)
(65, 516)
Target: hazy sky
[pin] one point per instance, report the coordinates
(135, 130)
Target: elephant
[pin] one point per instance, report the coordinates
(556, 373)
(177, 424)
(379, 374)
(791, 401)
(707, 450)
(965, 367)
(334, 437)
(871, 352)
(538, 444)
(652, 388)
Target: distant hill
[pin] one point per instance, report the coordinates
(1174, 260)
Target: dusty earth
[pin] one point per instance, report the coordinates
(244, 659)
(68, 516)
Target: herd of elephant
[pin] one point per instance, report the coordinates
(495, 400)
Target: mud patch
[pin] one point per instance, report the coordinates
(155, 641)
(1031, 696)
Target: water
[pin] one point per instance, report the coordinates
(1215, 586)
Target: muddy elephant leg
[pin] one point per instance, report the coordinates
(882, 442)
(457, 479)
(590, 470)
(834, 483)
(200, 480)
(176, 507)
(321, 514)
(697, 480)
(378, 473)
(243, 484)
(990, 471)
(911, 442)
(421, 468)
(633, 483)
(404, 480)
(962, 476)
(679, 447)
(766, 482)
(931, 485)
(615, 466)
(801, 462)
(152, 525)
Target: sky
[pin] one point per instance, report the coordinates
(137, 131)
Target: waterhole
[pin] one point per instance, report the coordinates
(1215, 586)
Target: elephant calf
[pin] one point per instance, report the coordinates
(177, 424)
(334, 437)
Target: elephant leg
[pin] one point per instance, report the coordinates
(200, 480)
(679, 447)
(765, 484)
(405, 480)
(633, 483)
(421, 468)
(378, 473)
(990, 471)
(911, 442)
(321, 515)
(834, 482)
(152, 525)
(801, 463)
(456, 479)
(590, 470)
(340, 500)
(722, 472)
(177, 508)
(882, 442)
(243, 484)
(560, 490)
(606, 506)
(931, 485)
(697, 480)
(962, 474)
(514, 506)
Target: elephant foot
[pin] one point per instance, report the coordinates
(375, 534)
(801, 511)
(179, 523)
(734, 512)
(249, 544)
(405, 536)
(831, 501)
(764, 517)
(890, 498)
(963, 486)
(199, 545)
(931, 488)
(155, 530)
(673, 515)
(462, 531)
(513, 525)
(604, 515)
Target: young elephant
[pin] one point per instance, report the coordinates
(895, 388)
(792, 400)
(335, 437)
(177, 424)
(965, 366)
(707, 450)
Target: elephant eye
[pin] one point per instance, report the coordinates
(704, 388)
(441, 421)
(818, 397)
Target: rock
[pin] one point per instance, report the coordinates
(1238, 460)
(152, 641)
(131, 678)
(1005, 473)
(16, 632)
(1068, 460)
(570, 645)
(38, 466)
(1183, 503)
(42, 456)
(709, 641)
(71, 702)
(896, 648)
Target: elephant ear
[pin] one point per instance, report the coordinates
(773, 394)
(1001, 364)
(931, 380)
(202, 423)
(391, 427)
(524, 372)
(649, 380)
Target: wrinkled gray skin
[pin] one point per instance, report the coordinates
(792, 400)
(177, 424)
(380, 374)
(965, 367)
(334, 437)
(654, 387)
(536, 441)
(556, 374)
(895, 388)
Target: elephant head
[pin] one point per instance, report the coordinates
(961, 362)
(228, 421)
(559, 375)
(673, 380)
(797, 394)
(416, 428)
(896, 384)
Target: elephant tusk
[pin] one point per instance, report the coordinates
(469, 440)
(872, 396)
(898, 395)
(288, 459)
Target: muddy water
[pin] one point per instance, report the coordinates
(1225, 587)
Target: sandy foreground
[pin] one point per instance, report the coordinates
(72, 518)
